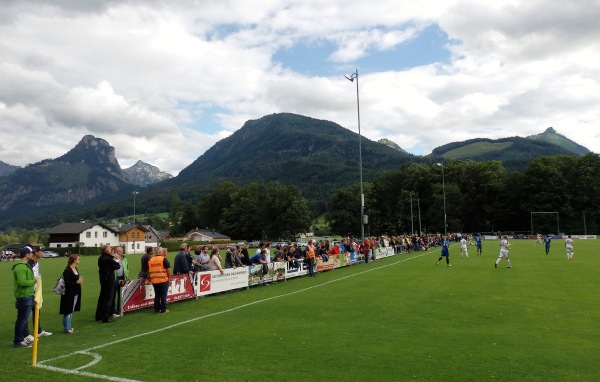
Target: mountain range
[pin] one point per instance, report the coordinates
(317, 156)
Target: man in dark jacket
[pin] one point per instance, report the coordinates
(184, 262)
(106, 271)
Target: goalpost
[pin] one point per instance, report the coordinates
(545, 213)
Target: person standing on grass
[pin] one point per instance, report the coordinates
(547, 241)
(504, 252)
(159, 273)
(71, 301)
(310, 257)
(201, 258)
(34, 263)
(463, 248)
(569, 246)
(106, 272)
(245, 255)
(445, 252)
(479, 244)
(144, 262)
(215, 261)
(24, 283)
(121, 276)
(183, 261)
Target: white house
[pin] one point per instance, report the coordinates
(85, 234)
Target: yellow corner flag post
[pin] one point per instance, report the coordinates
(39, 300)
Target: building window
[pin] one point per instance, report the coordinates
(58, 245)
(138, 235)
(132, 246)
(96, 234)
(104, 234)
(88, 235)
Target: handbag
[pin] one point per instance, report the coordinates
(59, 287)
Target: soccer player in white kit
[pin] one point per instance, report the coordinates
(504, 249)
(569, 247)
(463, 247)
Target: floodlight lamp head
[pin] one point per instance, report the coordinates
(350, 77)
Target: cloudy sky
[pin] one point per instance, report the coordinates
(162, 81)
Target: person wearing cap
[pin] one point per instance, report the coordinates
(34, 263)
(24, 283)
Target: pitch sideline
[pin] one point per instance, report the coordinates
(97, 358)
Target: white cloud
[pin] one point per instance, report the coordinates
(147, 75)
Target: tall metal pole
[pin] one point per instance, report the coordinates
(419, 208)
(134, 194)
(362, 195)
(444, 192)
(412, 220)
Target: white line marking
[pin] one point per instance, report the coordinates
(111, 378)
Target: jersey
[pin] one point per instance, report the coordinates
(569, 243)
(504, 247)
(445, 250)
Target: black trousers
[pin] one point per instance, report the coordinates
(104, 301)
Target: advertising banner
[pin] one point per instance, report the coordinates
(214, 282)
(354, 258)
(275, 272)
(382, 252)
(331, 263)
(292, 271)
(139, 293)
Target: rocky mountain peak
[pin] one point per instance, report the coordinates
(143, 174)
(96, 152)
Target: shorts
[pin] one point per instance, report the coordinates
(503, 254)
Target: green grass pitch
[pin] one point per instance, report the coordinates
(397, 319)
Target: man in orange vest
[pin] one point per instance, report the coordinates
(159, 273)
(310, 257)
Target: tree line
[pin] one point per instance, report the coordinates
(479, 197)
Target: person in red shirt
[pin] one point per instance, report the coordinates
(367, 250)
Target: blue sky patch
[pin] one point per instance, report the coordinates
(312, 58)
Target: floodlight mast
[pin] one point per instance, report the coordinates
(134, 224)
(444, 193)
(351, 78)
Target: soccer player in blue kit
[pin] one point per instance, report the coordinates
(547, 241)
(479, 244)
(445, 252)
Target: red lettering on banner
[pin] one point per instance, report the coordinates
(205, 282)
